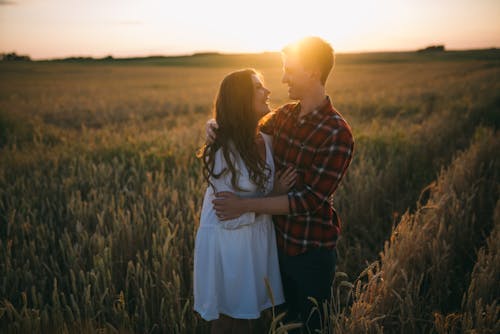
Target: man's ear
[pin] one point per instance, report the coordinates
(315, 74)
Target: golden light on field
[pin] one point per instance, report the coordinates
(59, 28)
(101, 193)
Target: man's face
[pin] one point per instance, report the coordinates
(297, 78)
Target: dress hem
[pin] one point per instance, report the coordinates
(237, 316)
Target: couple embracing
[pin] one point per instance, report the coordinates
(267, 213)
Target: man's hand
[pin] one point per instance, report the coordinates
(210, 129)
(227, 205)
(284, 181)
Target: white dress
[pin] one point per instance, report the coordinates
(233, 258)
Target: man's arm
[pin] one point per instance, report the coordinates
(322, 179)
(210, 128)
(230, 206)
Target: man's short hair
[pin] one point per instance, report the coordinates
(313, 53)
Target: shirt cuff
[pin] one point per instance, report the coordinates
(292, 203)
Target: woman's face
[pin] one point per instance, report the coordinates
(261, 96)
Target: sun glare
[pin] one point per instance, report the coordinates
(268, 26)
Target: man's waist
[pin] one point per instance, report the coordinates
(305, 232)
(294, 247)
(310, 219)
(326, 215)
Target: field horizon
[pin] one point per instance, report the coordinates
(206, 56)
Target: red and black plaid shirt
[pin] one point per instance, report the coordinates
(319, 145)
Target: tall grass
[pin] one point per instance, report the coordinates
(480, 309)
(100, 244)
(100, 193)
(425, 266)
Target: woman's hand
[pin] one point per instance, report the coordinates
(284, 180)
(210, 127)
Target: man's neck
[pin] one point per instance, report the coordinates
(312, 101)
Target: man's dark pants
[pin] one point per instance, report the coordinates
(309, 274)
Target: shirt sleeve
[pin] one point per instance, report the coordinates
(267, 124)
(321, 180)
(223, 183)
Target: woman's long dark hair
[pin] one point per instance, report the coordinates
(237, 129)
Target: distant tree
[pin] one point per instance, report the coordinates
(14, 57)
(433, 48)
(77, 59)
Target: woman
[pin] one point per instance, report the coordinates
(234, 258)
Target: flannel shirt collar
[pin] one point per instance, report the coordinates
(318, 113)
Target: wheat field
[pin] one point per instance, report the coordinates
(100, 193)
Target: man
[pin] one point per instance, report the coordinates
(313, 138)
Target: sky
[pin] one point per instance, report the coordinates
(45, 29)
